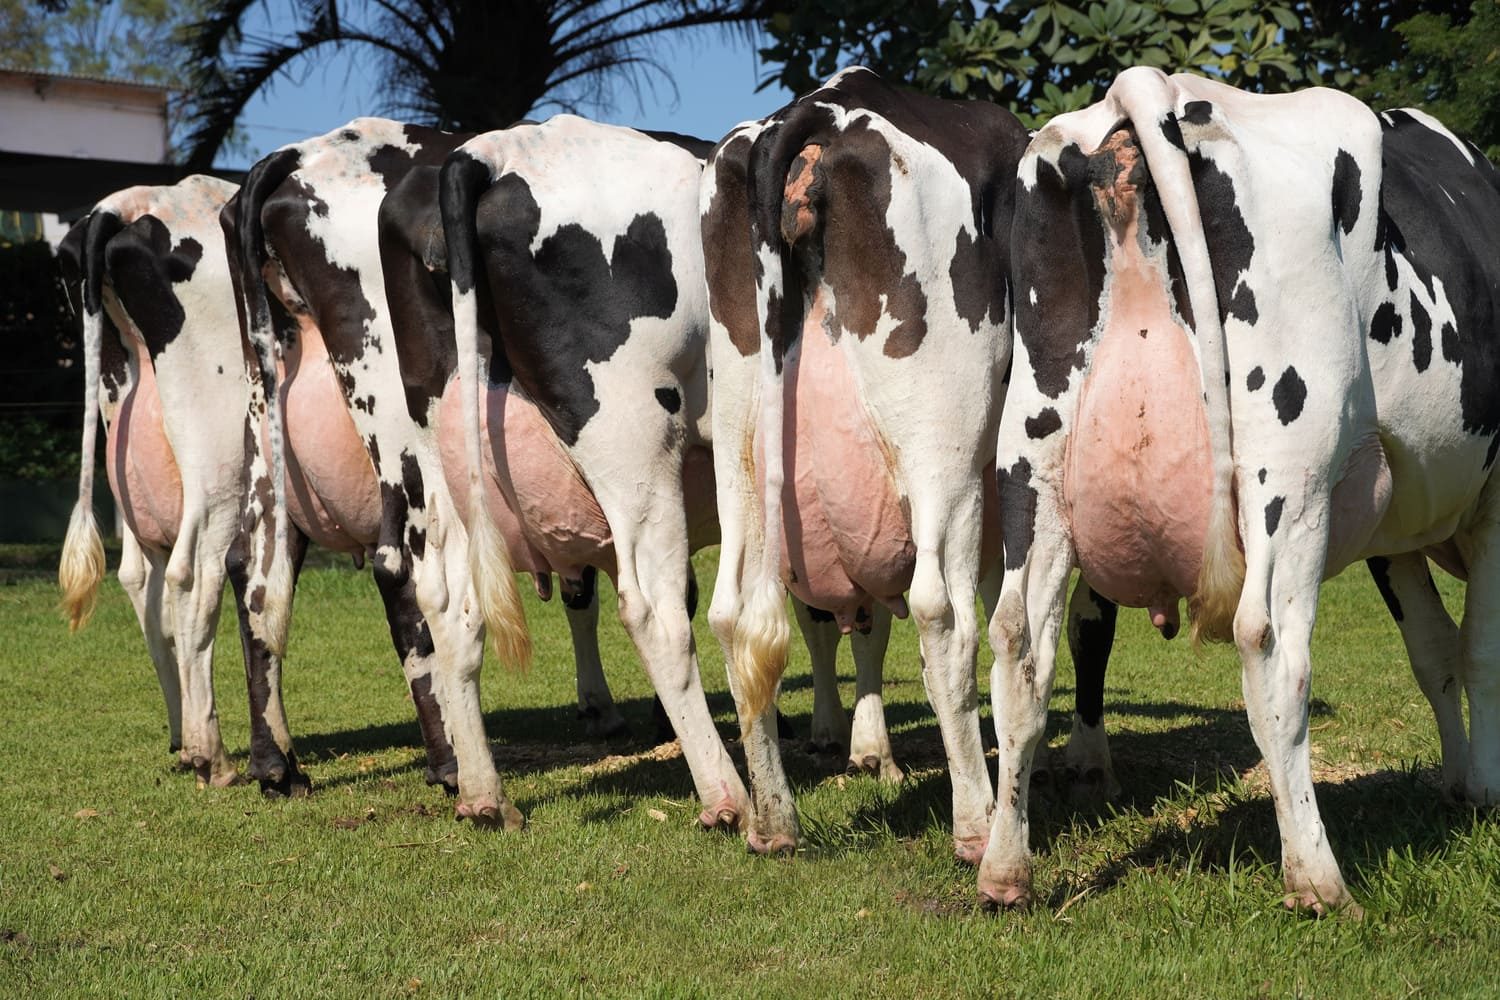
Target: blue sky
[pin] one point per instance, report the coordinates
(715, 76)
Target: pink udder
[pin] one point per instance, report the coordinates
(847, 535)
(1138, 475)
(554, 524)
(142, 469)
(332, 492)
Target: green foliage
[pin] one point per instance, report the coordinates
(1451, 71)
(1041, 57)
(1060, 57)
(136, 40)
(119, 879)
(36, 450)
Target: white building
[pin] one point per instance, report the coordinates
(82, 117)
(67, 141)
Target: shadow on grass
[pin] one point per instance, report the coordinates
(1183, 786)
(1366, 817)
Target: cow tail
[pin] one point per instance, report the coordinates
(81, 568)
(762, 633)
(264, 178)
(1147, 99)
(464, 178)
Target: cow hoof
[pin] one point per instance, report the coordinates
(1041, 776)
(287, 785)
(872, 764)
(777, 844)
(295, 786)
(216, 774)
(970, 850)
(618, 731)
(491, 815)
(996, 897)
(722, 817)
(1310, 903)
(445, 776)
(823, 748)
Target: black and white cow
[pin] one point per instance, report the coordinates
(358, 282)
(584, 418)
(857, 244)
(341, 461)
(578, 303)
(414, 258)
(1255, 342)
(159, 340)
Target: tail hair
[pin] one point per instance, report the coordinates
(1220, 580)
(81, 569)
(759, 645)
(463, 179)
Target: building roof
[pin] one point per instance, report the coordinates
(114, 81)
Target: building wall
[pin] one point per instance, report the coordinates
(59, 116)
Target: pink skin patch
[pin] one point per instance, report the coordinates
(725, 815)
(847, 536)
(798, 216)
(970, 850)
(332, 492)
(555, 524)
(142, 469)
(1138, 472)
(1360, 500)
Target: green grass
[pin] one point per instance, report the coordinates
(118, 878)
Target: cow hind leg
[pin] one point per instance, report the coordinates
(942, 604)
(1436, 655)
(1091, 635)
(596, 705)
(457, 630)
(830, 726)
(1273, 630)
(412, 638)
(869, 741)
(195, 581)
(1480, 634)
(1024, 633)
(143, 580)
(652, 610)
(273, 760)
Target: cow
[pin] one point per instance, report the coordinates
(857, 244)
(1254, 343)
(415, 263)
(357, 281)
(338, 460)
(158, 340)
(576, 432)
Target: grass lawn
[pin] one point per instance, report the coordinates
(118, 878)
